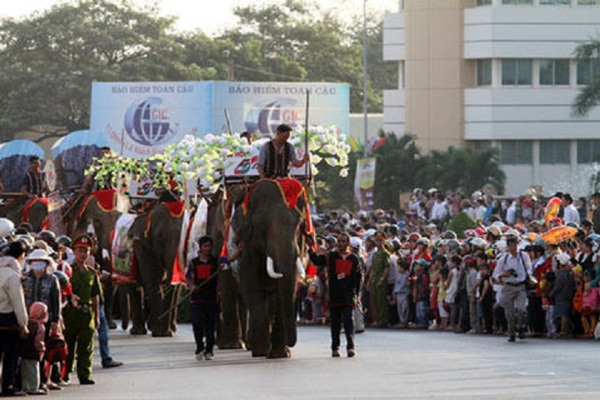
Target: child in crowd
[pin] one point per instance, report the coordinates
(201, 278)
(421, 293)
(486, 297)
(563, 292)
(443, 306)
(32, 349)
(590, 303)
(453, 275)
(401, 292)
(472, 264)
(548, 303)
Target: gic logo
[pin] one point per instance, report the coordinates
(245, 165)
(265, 116)
(147, 122)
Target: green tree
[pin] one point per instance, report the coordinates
(399, 168)
(295, 41)
(49, 60)
(465, 169)
(588, 96)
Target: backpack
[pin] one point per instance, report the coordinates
(56, 349)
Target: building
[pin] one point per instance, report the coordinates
(498, 73)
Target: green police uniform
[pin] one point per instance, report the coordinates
(79, 321)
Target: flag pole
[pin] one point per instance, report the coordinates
(307, 169)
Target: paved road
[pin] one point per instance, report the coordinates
(390, 364)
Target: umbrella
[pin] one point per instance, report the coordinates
(558, 234)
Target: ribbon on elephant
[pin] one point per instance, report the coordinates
(107, 201)
(30, 203)
(224, 252)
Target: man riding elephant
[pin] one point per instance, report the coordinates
(276, 155)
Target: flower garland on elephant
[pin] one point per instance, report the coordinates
(205, 158)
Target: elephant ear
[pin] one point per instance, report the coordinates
(136, 231)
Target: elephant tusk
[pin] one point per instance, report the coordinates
(300, 268)
(105, 254)
(271, 269)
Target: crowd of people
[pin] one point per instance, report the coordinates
(504, 276)
(50, 307)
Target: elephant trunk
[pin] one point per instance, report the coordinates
(271, 269)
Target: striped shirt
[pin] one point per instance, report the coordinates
(35, 183)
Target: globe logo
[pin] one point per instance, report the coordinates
(265, 116)
(147, 123)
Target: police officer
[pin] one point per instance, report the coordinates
(81, 314)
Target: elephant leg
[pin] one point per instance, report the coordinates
(124, 304)
(244, 320)
(278, 334)
(174, 306)
(258, 335)
(229, 324)
(136, 294)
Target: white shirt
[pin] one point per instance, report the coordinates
(480, 213)
(571, 214)
(507, 261)
(438, 212)
(511, 214)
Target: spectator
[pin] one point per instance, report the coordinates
(13, 314)
(571, 214)
(32, 349)
(562, 293)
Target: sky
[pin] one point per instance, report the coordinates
(194, 14)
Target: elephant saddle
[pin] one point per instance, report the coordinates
(30, 203)
(291, 189)
(107, 201)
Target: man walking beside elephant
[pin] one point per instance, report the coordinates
(344, 277)
(201, 277)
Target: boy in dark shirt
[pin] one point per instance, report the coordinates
(201, 277)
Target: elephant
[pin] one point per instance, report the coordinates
(36, 214)
(232, 325)
(103, 222)
(155, 251)
(273, 237)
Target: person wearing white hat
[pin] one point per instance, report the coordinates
(7, 228)
(40, 285)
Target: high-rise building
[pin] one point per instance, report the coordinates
(498, 73)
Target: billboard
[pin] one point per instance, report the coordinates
(260, 106)
(140, 118)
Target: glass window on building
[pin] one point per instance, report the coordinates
(516, 152)
(554, 72)
(588, 71)
(516, 72)
(588, 151)
(554, 152)
(588, 2)
(484, 72)
(484, 2)
(527, 2)
(556, 2)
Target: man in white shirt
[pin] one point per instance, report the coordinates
(511, 213)
(439, 211)
(570, 213)
(511, 272)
